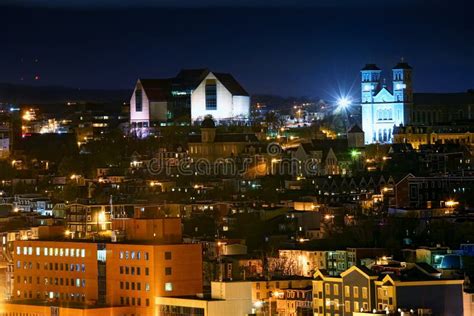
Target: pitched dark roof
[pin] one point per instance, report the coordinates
(402, 65)
(460, 98)
(355, 129)
(231, 84)
(156, 89)
(370, 67)
(190, 78)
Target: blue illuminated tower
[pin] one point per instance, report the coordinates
(402, 86)
(370, 81)
(370, 85)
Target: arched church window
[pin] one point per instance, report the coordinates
(384, 135)
(380, 135)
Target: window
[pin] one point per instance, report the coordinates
(168, 286)
(327, 288)
(347, 291)
(138, 100)
(211, 95)
(364, 292)
(168, 255)
(168, 271)
(336, 289)
(356, 292)
(356, 306)
(347, 306)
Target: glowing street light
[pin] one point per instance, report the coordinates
(344, 102)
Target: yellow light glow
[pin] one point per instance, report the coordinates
(451, 203)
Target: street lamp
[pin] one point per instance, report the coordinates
(344, 102)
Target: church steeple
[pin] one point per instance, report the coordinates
(370, 80)
(402, 82)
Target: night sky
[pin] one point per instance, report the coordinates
(297, 48)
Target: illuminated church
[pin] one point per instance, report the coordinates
(385, 107)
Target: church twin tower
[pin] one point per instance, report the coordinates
(383, 109)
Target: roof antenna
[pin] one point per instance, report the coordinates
(402, 59)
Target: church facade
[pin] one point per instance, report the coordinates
(385, 107)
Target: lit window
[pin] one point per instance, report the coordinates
(121, 255)
(66, 252)
(56, 252)
(83, 253)
(356, 292)
(18, 250)
(132, 255)
(61, 252)
(147, 287)
(211, 95)
(364, 292)
(138, 100)
(347, 291)
(168, 286)
(78, 282)
(45, 251)
(30, 251)
(38, 251)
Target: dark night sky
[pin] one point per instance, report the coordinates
(309, 48)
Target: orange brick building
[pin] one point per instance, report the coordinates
(105, 274)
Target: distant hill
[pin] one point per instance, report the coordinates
(38, 95)
(57, 95)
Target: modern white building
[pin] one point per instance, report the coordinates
(382, 107)
(187, 98)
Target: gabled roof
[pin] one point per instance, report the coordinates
(156, 89)
(187, 79)
(190, 78)
(231, 84)
(361, 269)
(355, 129)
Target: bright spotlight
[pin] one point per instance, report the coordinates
(344, 102)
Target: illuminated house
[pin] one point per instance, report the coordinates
(189, 97)
(359, 289)
(383, 109)
(211, 145)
